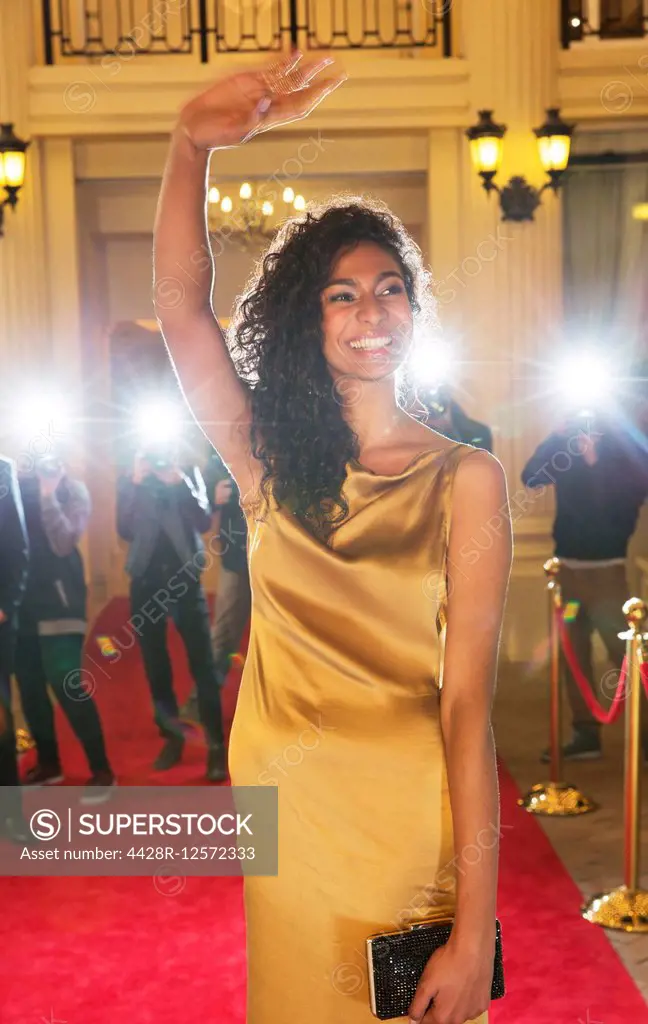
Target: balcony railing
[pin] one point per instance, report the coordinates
(98, 29)
(602, 19)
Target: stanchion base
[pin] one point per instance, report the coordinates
(622, 908)
(557, 799)
(23, 741)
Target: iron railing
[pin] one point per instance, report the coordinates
(605, 19)
(98, 29)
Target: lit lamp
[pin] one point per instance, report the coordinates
(12, 167)
(554, 145)
(251, 219)
(486, 147)
(518, 199)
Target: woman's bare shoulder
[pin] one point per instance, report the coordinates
(481, 475)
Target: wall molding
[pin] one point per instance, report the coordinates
(142, 99)
(604, 80)
(116, 96)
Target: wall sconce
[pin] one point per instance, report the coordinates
(518, 199)
(12, 167)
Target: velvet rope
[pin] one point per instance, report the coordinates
(643, 668)
(604, 717)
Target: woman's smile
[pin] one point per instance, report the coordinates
(367, 317)
(371, 344)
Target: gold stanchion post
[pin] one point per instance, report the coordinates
(23, 741)
(626, 907)
(555, 798)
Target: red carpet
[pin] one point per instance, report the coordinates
(121, 951)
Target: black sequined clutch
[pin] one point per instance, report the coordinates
(396, 963)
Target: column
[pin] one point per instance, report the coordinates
(24, 336)
(64, 300)
(512, 278)
(62, 257)
(446, 155)
(514, 302)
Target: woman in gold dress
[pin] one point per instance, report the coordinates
(368, 684)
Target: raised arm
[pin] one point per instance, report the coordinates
(539, 470)
(184, 275)
(65, 522)
(227, 114)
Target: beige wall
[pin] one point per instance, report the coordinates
(119, 220)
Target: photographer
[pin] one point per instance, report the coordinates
(52, 625)
(14, 561)
(600, 476)
(161, 512)
(233, 600)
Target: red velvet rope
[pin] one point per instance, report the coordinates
(643, 669)
(604, 717)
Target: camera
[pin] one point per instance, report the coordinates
(158, 460)
(583, 420)
(160, 456)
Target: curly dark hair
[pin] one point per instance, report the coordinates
(298, 430)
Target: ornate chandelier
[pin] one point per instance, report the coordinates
(252, 219)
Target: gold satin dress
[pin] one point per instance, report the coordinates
(339, 708)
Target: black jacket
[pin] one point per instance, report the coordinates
(462, 428)
(147, 510)
(470, 431)
(14, 545)
(596, 506)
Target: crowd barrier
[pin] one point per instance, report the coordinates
(626, 906)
